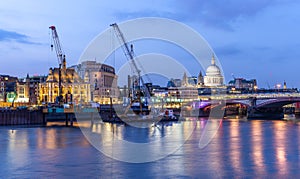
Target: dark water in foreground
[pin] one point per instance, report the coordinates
(240, 149)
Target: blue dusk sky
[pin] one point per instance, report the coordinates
(252, 39)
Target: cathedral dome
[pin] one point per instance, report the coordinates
(213, 70)
(213, 75)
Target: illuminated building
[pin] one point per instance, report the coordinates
(200, 80)
(7, 89)
(186, 92)
(192, 81)
(241, 83)
(22, 91)
(27, 89)
(194, 87)
(174, 83)
(74, 89)
(102, 79)
(34, 83)
(3, 81)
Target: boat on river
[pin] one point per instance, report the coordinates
(131, 116)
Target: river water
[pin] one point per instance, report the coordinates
(239, 149)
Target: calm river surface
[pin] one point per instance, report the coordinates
(240, 149)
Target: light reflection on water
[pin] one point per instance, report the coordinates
(257, 147)
(240, 149)
(234, 152)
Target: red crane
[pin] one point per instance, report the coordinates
(61, 59)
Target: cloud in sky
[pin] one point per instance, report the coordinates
(14, 36)
(218, 14)
(221, 14)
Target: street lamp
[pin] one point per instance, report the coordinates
(108, 95)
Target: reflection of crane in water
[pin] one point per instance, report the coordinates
(139, 88)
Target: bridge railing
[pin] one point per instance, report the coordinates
(260, 95)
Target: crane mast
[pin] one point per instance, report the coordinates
(130, 55)
(61, 59)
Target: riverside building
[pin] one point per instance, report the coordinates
(102, 79)
(74, 89)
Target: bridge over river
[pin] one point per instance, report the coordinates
(253, 105)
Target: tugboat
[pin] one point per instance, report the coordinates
(169, 115)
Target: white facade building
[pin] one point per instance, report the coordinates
(102, 79)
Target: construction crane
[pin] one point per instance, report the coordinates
(61, 59)
(130, 57)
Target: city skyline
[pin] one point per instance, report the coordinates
(251, 39)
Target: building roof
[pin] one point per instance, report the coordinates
(68, 75)
(241, 80)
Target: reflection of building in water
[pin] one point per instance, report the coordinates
(74, 89)
(102, 79)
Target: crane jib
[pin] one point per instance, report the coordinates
(130, 56)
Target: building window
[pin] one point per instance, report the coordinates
(21, 90)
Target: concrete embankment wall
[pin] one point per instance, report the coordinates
(21, 117)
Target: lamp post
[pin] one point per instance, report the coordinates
(94, 90)
(80, 96)
(110, 103)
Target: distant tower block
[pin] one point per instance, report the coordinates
(284, 85)
(200, 79)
